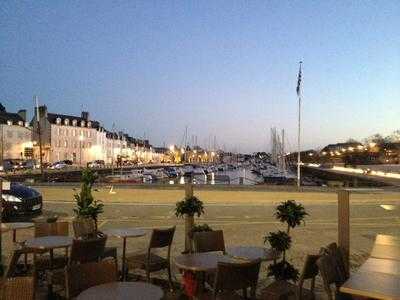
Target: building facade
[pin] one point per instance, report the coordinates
(82, 140)
(15, 136)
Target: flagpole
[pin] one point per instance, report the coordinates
(299, 128)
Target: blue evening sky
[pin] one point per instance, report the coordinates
(224, 68)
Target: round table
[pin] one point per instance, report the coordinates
(202, 262)
(122, 291)
(124, 233)
(253, 253)
(15, 226)
(49, 242)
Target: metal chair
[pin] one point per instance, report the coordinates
(231, 277)
(79, 277)
(209, 241)
(21, 288)
(150, 262)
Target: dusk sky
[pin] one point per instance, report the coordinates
(224, 68)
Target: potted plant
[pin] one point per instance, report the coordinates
(87, 208)
(292, 215)
(188, 208)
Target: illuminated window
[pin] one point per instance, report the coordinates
(74, 122)
(58, 121)
(66, 122)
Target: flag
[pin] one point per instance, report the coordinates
(298, 81)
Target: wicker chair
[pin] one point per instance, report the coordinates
(80, 277)
(82, 251)
(208, 241)
(21, 288)
(150, 262)
(232, 277)
(330, 274)
(86, 228)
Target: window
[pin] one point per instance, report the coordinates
(66, 122)
(58, 121)
(9, 122)
(74, 122)
(89, 144)
(58, 131)
(82, 123)
(89, 124)
(66, 144)
(66, 132)
(89, 134)
(20, 123)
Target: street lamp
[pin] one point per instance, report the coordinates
(80, 149)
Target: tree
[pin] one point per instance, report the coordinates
(86, 205)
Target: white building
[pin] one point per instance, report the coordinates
(82, 140)
(15, 135)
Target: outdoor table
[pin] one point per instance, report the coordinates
(49, 243)
(125, 233)
(373, 285)
(202, 262)
(205, 262)
(379, 265)
(386, 251)
(383, 239)
(122, 291)
(14, 227)
(253, 253)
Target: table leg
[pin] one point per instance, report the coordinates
(50, 285)
(123, 260)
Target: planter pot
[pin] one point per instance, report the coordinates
(189, 222)
(84, 226)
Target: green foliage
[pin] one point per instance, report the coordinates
(283, 270)
(291, 213)
(190, 207)
(279, 240)
(86, 205)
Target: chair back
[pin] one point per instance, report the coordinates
(335, 251)
(21, 288)
(208, 241)
(47, 229)
(310, 271)
(80, 277)
(236, 276)
(84, 227)
(161, 238)
(328, 269)
(87, 250)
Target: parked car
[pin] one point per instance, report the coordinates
(30, 164)
(96, 164)
(20, 201)
(68, 162)
(58, 165)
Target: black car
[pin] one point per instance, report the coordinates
(20, 202)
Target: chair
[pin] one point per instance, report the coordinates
(330, 274)
(86, 228)
(337, 253)
(231, 277)
(208, 241)
(79, 277)
(150, 262)
(21, 288)
(279, 289)
(82, 251)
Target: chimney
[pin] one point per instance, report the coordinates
(22, 114)
(85, 115)
(42, 112)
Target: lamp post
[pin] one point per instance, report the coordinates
(80, 149)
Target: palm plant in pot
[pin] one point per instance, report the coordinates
(292, 214)
(87, 208)
(188, 208)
